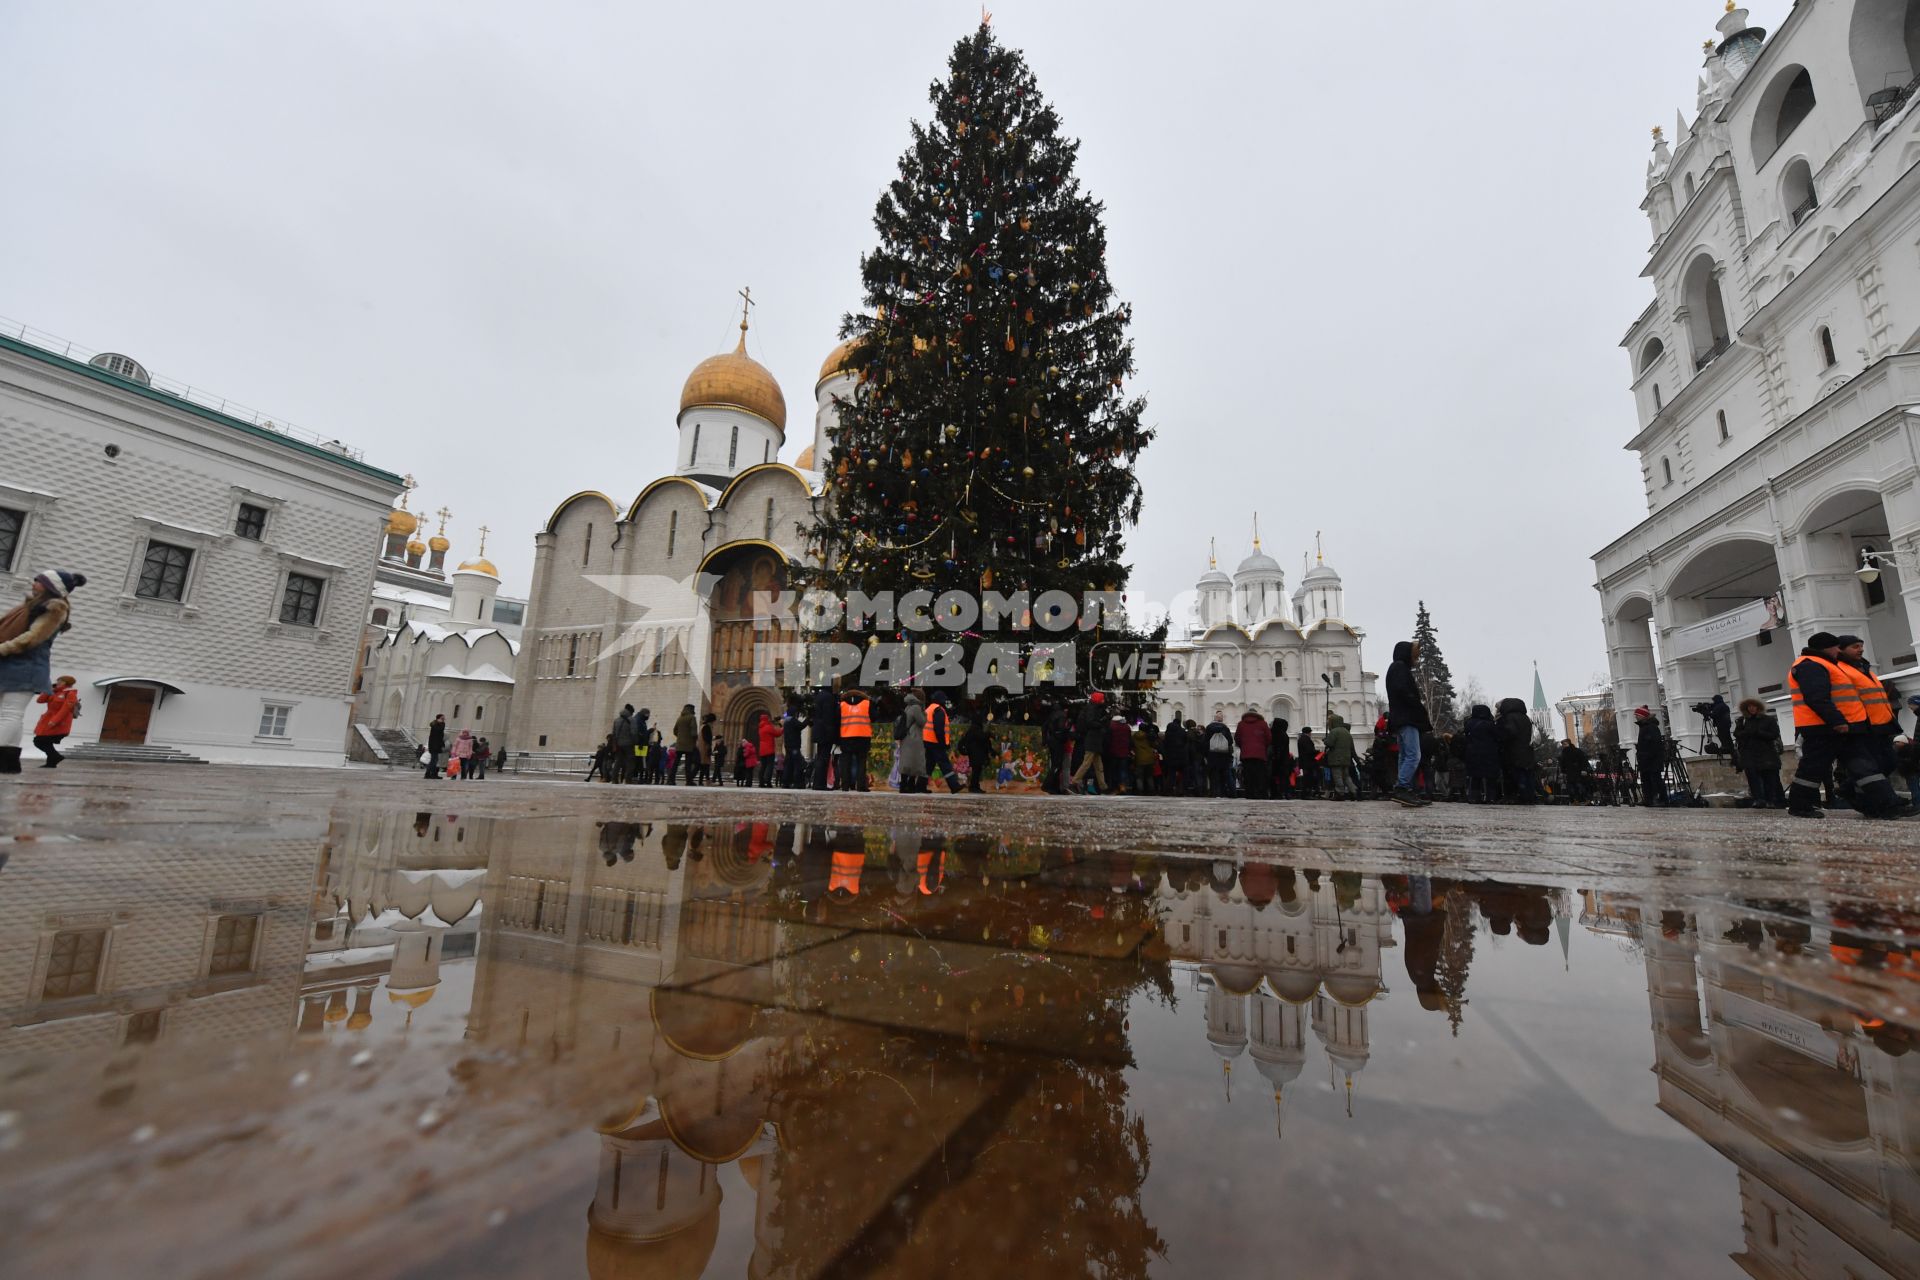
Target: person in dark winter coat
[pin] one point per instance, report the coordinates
(686, 743)
(1217, 749)
(436, 745)
(1757, 739)
(1483, 755)
(1650, 753)
(977, 747)
(1406, 718)
(1280, 765)
(1516, 750)
(1119, 752)
(793, 725)
(1251, 735)
(826, 732)
(1722, 719)
(1173, 756)
(1575, 772)
(1056, 733)
(1309, 757)
(623, 740)
(1090, 743)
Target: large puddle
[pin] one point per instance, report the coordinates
(428, 1045)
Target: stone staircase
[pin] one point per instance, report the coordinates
(129, 753)
(383, 746)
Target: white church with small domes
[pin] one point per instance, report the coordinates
(1249, 645)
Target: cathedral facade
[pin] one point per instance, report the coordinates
(648, 601)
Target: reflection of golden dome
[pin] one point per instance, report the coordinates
(438, 543)
(478, 565)
(805, 461)
(704, 1027)
(680, 1256)
(838, 360)
(713, 1139)
(738, 381)
(359, 1020)
(400, 520)
(336, 1006)
(416, 548)
(412, 999)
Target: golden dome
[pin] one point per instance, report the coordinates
(416, 548)
(438, 543)
(805, 461)
(838, 360)
(735, 380)
(400, 520)
(480, 565)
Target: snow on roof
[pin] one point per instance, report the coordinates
(412, 596)
(485, 671)
(448, 875)
(349, 956)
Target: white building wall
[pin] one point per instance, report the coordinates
(178, 476)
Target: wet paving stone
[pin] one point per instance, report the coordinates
(317, 1023)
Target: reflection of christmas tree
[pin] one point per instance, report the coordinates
(1456, 953)
(964, 1090)
(989, 443)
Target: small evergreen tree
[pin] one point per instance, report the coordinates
(1436, 682)
(989, 443)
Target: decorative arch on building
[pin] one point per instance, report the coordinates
(698, 492)
(1797, 200)
(1883, 43)
(1736, 566)
(1650, 353)
(1787, 100)
(729, 578)
(1707, 327)
(553, 520)
(757, 469)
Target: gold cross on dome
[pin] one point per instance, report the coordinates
(445, 515)
(484, 531)
(746, 301)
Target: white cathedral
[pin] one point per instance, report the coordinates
(648, 601)
(1249, 645)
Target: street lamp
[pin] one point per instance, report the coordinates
(1871, 561)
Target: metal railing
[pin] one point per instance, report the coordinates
(59, 346)
(1714, 353)
(575, 763)
(1804, 210)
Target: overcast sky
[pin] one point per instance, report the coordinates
(1380, 255)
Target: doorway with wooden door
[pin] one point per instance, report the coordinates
(129, 709)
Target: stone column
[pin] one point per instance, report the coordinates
(1630, 661)
(1824, 594)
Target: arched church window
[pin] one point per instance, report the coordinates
(1279, 668)
(586, 545)
(379, 617)
(1787, 101)
(1658, 403)
(733, 447)
(1336, 678)
(1689, 185)
(1720, 418)
(1826, 347)
(673, 531)
(1666, 471)
(695, 455)
(768, 534)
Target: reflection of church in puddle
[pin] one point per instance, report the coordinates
(1277, 954)
(1812, 1097)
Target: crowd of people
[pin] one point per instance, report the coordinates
(465, 759)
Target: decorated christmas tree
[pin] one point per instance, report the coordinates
(1436, 681)
(990, 440)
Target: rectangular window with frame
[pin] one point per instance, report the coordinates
(73, 968)
(300, 602)
(573, 653)
(273, 719)
(12, 525)
(233, 939)
(163, 572)
(250, 522)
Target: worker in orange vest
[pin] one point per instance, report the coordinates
(935, 736)
(1831, 720)
(856, 739)
(1881, 702)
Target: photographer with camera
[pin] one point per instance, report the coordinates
(1718, 714)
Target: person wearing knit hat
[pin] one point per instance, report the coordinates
(1832, 722)
(27, 633)
(1650, 754)
(1883, 706)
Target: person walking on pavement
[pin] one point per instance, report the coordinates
(1253, 736)
(27, 632)
(686, 744)
(1482, 755)
(642, 745)
(1055, 734)
(793, 759)
(56, 722)
(933, 737)
(1406, 720)
(767, 735)
(1756, 741)
(1883, 719)
(1280, 759)
(1173, 757)
(436, 744)
(826, 733)
(1310, 762)
(911, 734)
(482, 756)
(1650, 753)
(1091, 745)
(623, 740)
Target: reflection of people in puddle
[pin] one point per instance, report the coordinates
(673, 844)
(616, 841)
